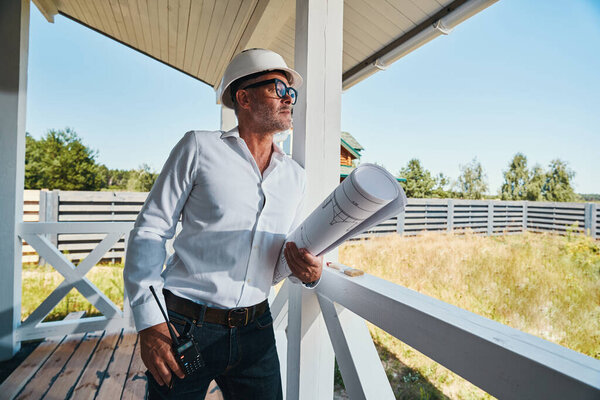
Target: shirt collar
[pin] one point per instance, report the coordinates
(236, 133)
(277, 152)
(231, 133)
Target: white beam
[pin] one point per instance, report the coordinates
(48, 8)
(74, 227)
(228, 118)
(14, 45)
(505, 362)
(316, 146)
(442, 26)
(279, 310)
(68, 327)
(357, 357)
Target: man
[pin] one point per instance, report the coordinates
(238, 197)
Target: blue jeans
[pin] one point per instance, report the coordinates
(243, 361)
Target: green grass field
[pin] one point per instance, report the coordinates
(543, 284)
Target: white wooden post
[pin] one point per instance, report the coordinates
(48, 213)
(14, 43)
(400, 223)
(588, 219)
(450, 216)
(490, 218)
(228, 119)
(361, 368)
(316, 146)
(42, 216)
(594, 221)
(525, 215)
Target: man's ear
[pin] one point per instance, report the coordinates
(242, 98)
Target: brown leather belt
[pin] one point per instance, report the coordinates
(232, 317)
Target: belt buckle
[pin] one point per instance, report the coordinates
(236, 313)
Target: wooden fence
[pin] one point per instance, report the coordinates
(75, 206)
(482, 217)
(492, 217)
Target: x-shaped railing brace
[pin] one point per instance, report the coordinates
(74, 276)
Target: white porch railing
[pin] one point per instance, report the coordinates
(35, 234)
(504, 362)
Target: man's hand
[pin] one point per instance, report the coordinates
(157, 355)
(304, 266)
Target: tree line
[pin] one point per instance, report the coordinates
(60, 160)
(520, 182)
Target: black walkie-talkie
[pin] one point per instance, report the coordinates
(185, 347)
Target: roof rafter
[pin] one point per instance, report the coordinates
(48, 8)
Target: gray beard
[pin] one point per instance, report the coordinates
(270, 122)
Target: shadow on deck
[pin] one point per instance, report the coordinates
(93, 365)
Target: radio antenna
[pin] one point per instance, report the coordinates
(171, 331)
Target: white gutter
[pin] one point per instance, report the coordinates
(443, 26)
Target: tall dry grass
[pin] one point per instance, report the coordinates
(542, 284)
(39, 281)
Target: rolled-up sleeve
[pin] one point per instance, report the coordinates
(155, 224)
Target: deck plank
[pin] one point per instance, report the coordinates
(44, 377)
(136, 385)
(94, 373)
(116, 374)
(97, 365)
(67, 379)
(24, 372)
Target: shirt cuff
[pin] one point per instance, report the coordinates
(311, 285)
(148, 314)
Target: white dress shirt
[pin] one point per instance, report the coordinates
(234, 223)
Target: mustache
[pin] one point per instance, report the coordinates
(287, 108)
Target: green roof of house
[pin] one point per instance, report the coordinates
(351, 141)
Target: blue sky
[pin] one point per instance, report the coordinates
(522, 76)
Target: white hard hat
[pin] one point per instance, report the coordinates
(250, 62)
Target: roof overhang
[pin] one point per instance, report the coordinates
(199, 37)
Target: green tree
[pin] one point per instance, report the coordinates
(558, 182)
(535, 185)
(516, 179)
(419, 182)
(116, 179)
(472, 183)
(60, 160)
(441, 182)
(141, 179)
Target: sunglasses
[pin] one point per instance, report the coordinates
(280, 88)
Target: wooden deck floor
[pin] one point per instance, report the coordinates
(93, 365)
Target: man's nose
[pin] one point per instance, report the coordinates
(287, 99)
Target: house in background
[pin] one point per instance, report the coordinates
(349, 154)
(349, 150)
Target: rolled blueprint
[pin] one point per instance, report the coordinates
(368, 196)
